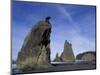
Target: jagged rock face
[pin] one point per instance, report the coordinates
(57, 58)
(35, 52)
(67, 54)
(87, 56)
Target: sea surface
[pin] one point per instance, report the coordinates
(60, 66)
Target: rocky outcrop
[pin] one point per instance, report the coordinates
(57, 58)
(35, 52)
(13, 61)
(87, 56)
(67, 54)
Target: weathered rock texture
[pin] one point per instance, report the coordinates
(87, 56)
(35, 52)
(57, 58)
(67, 54)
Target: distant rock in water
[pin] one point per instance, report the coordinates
(67, 54)
(57, 58)
(35, 51)
(87, 56)
(13, 61)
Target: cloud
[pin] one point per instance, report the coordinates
(81, 44)
(64, 13)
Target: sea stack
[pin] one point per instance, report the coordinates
(35, 51)
(57, 58)
(67, 54)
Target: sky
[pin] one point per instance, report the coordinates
(74, 23)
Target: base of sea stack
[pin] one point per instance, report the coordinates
(59, 68)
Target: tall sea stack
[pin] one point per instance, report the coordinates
(67, 54)
(35, 51)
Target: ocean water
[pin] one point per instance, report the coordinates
(15, 70)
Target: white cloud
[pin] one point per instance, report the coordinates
(64, 13)
(81, 43)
